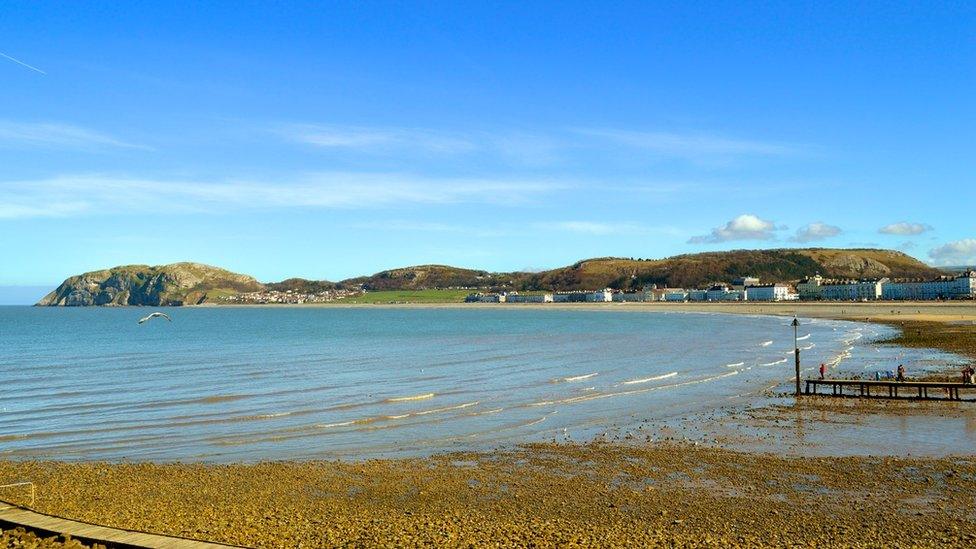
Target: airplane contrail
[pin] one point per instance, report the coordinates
(19, 62)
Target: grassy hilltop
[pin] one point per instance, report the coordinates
(193, 283)
(691, 270)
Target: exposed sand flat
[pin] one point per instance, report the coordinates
(549, 495)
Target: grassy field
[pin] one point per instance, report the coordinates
(409, 296)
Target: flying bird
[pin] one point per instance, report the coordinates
(154, 315)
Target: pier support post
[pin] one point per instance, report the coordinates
(796, 354)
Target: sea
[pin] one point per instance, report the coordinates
(264, 383)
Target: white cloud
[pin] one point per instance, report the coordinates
(371, 139)
(744, 227)
(98, 194)
(905, 229)
(688, 145)
(959, 252)
(816, 231)
(57, 136)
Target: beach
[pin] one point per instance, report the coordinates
(774, 475)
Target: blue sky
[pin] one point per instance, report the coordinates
(332, 140)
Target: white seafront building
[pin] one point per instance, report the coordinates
(721, 292)
(962, 286)
(818, 287)
(770, 292)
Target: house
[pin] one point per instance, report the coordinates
(675, 294)
(743, 282)
(721, 292)
(604, 295)
(698, 295)
(809, 288)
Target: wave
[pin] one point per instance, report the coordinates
(808, 347)
(735, 364)
(262, 416)
(775, 362)
(424, 396)
(575, 378)
(445, 409)
(333, 425)
(599, 396)
(766, 343)
(801, 338)
(646, 379)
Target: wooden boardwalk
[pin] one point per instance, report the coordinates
(12, 516)
(941, 390)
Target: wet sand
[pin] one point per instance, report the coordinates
(661, 485)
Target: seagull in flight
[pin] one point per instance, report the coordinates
(154, 315)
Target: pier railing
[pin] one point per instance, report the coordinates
(942, 390)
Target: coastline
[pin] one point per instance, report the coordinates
(701, 483)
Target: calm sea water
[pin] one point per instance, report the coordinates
(245, 384)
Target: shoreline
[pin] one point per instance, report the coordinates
(735, 481)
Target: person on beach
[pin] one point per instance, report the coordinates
(901, 373)
(823, 370)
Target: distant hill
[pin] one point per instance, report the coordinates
(193, 283)
(302, 285)
(176, 284)
(691, 270)
(695, 270)
(425, 277)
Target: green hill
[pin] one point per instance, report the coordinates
(192, 283)
(691, 270)
(426, 277)
(695, 270)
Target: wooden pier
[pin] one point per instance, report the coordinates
(12, 516)
(940, 390)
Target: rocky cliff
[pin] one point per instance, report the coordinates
(176, 284)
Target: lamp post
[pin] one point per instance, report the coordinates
(796, 353)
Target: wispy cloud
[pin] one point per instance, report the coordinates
(905, 228)
(70, 195)
(687, 145)
(57, 136)
(743, 227)
(603, 228)
(526, 146)
(814, 232)
(400, 225)
(21, 63)
(372, 139)
(960, 252)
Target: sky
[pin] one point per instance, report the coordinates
(329, 140)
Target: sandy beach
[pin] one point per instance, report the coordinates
(745, 478)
